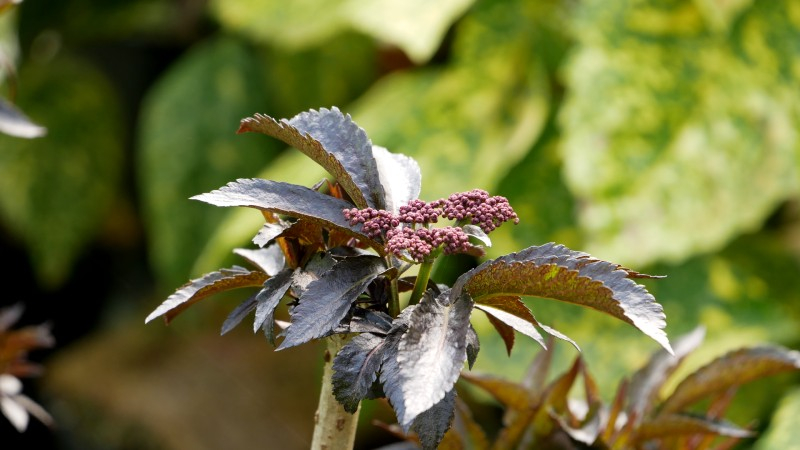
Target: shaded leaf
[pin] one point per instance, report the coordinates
(366, 321)
(327, 300)
(473, 346)
(478, 234)
(13, 122)
(431, 425)
(355, 369)
(268, 232)
(316, 266)
(333, 141)
(680, 424)
(556, 272)
(238, 314)
(269, 259)
(206, 286)
(732, 369)
(432, 352)
(286, 198)
(268, 299)
(505, 331)
(646, 383)
(400, 176)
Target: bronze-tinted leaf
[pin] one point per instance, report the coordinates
(556, 272)
(732, 369)
(669, 425)
(512, 312)
(333, 141)
(205, 286)
(513, 396)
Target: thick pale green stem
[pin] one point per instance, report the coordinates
(422, 282)
(334, 428)
(394, 298)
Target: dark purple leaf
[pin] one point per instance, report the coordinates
(14, 123)
(504, 330)
(205, 286)
(512, 312)
(671, 425)
(646, 383)
(270, 231)
(238, 314)
(400, 177)
(289, 199)
(333, 141)
(390, 375)
(732, 369)
(268, 299)
(270, 259)
(316, 266)
(366, 321)
(355, 369)
(473, 346)
(431, 425)
(556, 272)
(327, 301)
(432, 352)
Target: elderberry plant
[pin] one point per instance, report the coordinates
(340, 256)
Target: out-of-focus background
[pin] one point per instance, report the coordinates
(662, 135)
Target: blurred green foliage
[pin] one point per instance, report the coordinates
(662, 135)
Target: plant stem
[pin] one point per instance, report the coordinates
(334, 428)
(422, 282)
(394, 298)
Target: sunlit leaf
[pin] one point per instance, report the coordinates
(733, 369)
(187, 147)
(327, 300)
(782, 429)
(390, 376)
(556, 272)
(512, 312)
(432, 352)
(681, 424)
(355, 368)
(513, 396)
(206, 286)
(679, 138)
(14, 123)
(400, 177)
(646, 383)
(268, 232)
(333, 141)
(286, 198)
(431, 425)
(270, 259)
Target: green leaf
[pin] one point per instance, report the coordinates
(682, 424)
(327, 300)
(355, 369)
(679, 138)
(720, 16)
(782, 429)
(14, 122)
(289, 199)
(335, 142)
(188, 145)
(432, 352)
(732, 369)
(206, 286)
(58, 190)
(556, 272)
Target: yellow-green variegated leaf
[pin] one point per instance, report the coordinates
(466, 123)
(418, 27)
(678, 138)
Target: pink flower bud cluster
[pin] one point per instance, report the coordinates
(407, 234)
(484, 211)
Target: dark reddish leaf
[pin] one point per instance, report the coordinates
(289, 199)
(512, 312)
(432, 424)
(333, 141)
(355, 369)
(733, 369)
(269, 231)
(327, 300)
(505, 331)
(268, 299)
(473, 346)
(556, 272)
(206, 286)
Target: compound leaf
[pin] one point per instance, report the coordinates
(513, 313)
(327, 300)
(556, 272)
(732, 369)
(286, 198)
(333, 141)
(205, 286)
(432, 352)
(268, 299)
